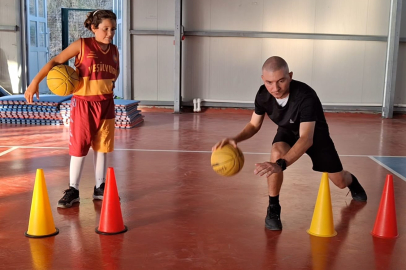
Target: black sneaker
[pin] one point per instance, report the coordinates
(69, 198)
(98, 193)
(273, 218)
(357, 191)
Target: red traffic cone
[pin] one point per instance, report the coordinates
(385, 224)
(111, 219)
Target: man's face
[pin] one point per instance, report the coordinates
(277, 82)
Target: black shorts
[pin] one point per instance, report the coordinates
(322, 153)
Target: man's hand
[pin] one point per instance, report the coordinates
(33, 89)
(224, 142)
(266, 168)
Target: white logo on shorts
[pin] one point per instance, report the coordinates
(291, 121)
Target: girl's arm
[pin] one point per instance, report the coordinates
(71, 51)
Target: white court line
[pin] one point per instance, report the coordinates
(8, 151)
(190, 151)
(389, 169)
(175, 151)
(36, 147)
(162, 150)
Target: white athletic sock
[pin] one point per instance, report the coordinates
(76, 166)
(100, 167)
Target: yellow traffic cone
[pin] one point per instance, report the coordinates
(322, 222)
(41, 222)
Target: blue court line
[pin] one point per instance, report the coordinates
(396, 165)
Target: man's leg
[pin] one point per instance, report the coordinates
(272, 220)
(345, 179)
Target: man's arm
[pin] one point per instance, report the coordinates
(306, 131)
(249, 130)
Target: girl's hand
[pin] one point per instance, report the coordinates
(32, 89)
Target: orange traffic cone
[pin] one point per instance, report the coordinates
(41, 222)
(322, 222)
(111, 219)
(385, 223)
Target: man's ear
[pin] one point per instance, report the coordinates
(291, 74)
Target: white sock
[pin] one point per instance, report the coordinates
(100, 167)
(76, 166)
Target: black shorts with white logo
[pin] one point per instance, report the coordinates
(322, 153)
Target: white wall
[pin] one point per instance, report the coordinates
(400, 94)
(10, 70)
(341, 72)
(152, 56)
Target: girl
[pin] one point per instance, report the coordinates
(92, 104)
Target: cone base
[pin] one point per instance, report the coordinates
(41, 236)
(384, 237)
(322, 235)
(111, 233)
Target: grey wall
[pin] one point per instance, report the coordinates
(220, 68)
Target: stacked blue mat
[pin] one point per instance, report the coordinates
(127, 113)
(55, 110)
(14, 110)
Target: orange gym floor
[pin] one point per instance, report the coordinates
(181, 215)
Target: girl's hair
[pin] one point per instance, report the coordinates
(96, 17)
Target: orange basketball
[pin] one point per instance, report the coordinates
(62, 80)
(227, 161)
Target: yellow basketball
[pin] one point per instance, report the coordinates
(62, 80)
(227, 161)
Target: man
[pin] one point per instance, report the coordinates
(302, 128)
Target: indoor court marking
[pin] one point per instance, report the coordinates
(395, 165)
(8, 151)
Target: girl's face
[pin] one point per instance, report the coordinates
(105, 31)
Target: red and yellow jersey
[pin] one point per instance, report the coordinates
(97, 70)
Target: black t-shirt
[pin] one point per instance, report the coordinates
(303, 106)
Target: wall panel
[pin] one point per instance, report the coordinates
(337, 71)
(290, 16)
(241, 15)
(234, 71)
(400, 95)
(145, 67)
(196, 67)
(218, 68)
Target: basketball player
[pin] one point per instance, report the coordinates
(92, 105)
(302, 128)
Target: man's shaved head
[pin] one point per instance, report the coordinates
(276, 77)
(275, 63)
